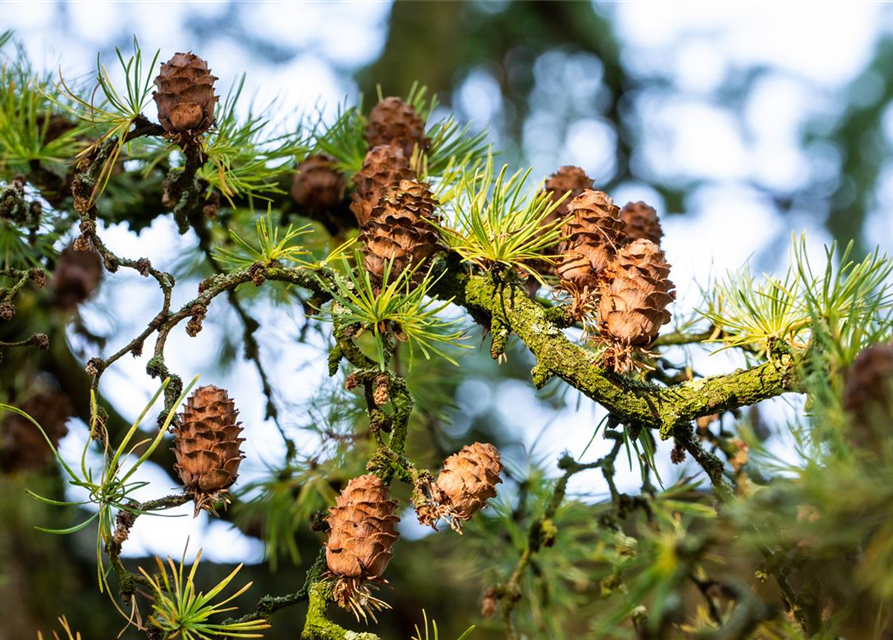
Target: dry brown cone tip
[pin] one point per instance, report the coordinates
(641, 222)
(362, 533)
(207, 446)
(400, 231)
(633, 303)
(868, 395)
(383, 167)
(395, 122)
(593, 235)
(467, 481)
(185, 97)
(317, 186)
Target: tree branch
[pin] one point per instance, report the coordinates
(633, 402)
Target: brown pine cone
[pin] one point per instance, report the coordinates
(22, 446)
(399, 230)
(317, 186)
(868, 395)
(185, 96)
(362, 532)
(394, 122)
(467, 481)
(594, 233)
(207, 446)
(640, 222)
(383, 167)
(633, 305)
(567, 178)
(76, 277)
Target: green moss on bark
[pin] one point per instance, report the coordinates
(632, 401)
(317, 626)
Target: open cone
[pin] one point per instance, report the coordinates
(395, 122)
(22, 445)
(207, 446)
(467, 481)
(317, 186)
(633, 303)
(362, 533)
(568, 180)
(383, 167)
(641, 222)
(593, 235)
(868, 396)
(399, 230)
(185, 96)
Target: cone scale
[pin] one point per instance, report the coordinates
(317, 186)
(383, 167)
(641, 222)
(594, 233)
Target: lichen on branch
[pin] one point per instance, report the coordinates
(502, 297)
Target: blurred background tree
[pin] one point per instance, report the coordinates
(738, 124)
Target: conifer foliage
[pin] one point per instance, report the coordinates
(426, 242)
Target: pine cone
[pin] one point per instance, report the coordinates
(593, 235)
(317, 186)
(567, 178)
(76, 277)
(22, 446)
(207, 446)
(394, 122)
(633, 306)
(641, 222)
(399, 229)
(868, 395)
(467, 481)
(362, 532)
(383, 167)
(185, 96)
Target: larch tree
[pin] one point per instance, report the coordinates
(399, 235)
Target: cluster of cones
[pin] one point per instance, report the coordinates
(611, 262)
(362, 524)
(393, 210)
(363, 521)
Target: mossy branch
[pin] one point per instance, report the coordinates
(633, 402)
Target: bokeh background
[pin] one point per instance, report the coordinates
(742, 123)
